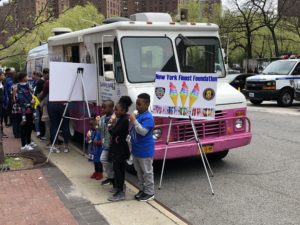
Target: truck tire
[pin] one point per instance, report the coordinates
(285, 98)
(218, 155)
(256, 102)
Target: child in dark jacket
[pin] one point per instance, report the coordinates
(93, 138)
(119, 147)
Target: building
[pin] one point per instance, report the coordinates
(289, 8)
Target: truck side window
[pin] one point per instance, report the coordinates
(108, 51)
(117, 63)
(297, 70)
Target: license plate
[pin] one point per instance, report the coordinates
(251, 95)
(208, 149)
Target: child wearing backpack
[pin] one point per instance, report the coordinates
(23, 97)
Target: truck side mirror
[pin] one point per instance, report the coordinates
(109, 75)
(108, 59)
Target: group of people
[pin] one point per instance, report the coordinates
(112, 138)
(115, 136)
(26, 107)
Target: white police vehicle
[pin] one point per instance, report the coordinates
(276, 82)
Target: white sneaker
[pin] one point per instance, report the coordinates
(54, 149)
(28, 148)
(23, 148)
(32, 144)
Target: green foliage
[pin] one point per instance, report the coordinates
(77, 18)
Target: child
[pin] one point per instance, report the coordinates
(119, 147)
(108, 108)
(22, 96)
(93, 138)
(143, 147)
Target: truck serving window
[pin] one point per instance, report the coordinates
(199, 55)
(144, 56)
(279, 68)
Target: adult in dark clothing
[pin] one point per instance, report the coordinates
(119, 147)
(8, 83)
(38, 87)
(55, 112)
(2, 77)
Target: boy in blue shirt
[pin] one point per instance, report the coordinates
(143, 147)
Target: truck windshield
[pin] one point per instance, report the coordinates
(200, 55)
(144, 56)
(279, 68)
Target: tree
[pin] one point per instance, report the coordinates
(270, 18)
(76, 18)
(8, 21)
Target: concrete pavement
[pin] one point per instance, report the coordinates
(129, 212)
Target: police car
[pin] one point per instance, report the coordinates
(276, 82)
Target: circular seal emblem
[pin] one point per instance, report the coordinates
(208, 94)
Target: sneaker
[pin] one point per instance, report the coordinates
(4, 135)
(38, 134)
(26, 148)
(138, 195)
(99, 176)
(43, 138)
(93, 175)
(32, 144)
(118, 196)
(66, 148)
(113, 190)
(107, 181)
(54, 149)
(145, 197)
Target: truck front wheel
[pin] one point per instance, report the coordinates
(256, 102)
(285, 98)
(218, 155)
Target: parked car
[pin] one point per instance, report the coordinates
(239, 81)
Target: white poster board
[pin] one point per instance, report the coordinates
(180, 95)
(62, 77)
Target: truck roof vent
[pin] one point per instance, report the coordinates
(61, 30)
(153, 17)
(114, 20)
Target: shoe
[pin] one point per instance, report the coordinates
(118, 196)
(145, 197)
(99, 176)
(93, 175)
(107, 181)
(138, 195)
(113, 190)
(43, 138)
(54, 149)
(66, 149)
(32, 144)
(26, 148)
(38, 134)
(4, 135)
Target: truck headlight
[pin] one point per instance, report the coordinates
(239, 123)
(157, 133)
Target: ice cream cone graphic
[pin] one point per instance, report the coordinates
(194, 95)
(184, 93)
(173, 93)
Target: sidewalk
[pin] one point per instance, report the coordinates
(41, 196)
(92, 206)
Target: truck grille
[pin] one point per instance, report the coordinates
(255, 85)
(184, 132)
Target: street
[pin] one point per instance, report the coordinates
(256, 184)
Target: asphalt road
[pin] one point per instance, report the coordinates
(255, 184)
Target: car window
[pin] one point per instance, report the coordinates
(297, 70)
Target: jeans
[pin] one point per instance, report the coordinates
(55, 112)
(107, 165)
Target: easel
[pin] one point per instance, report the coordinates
(79, 75)
(200, 148)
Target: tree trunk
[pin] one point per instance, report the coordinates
(275, 42)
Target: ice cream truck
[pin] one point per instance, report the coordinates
(128, 54)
